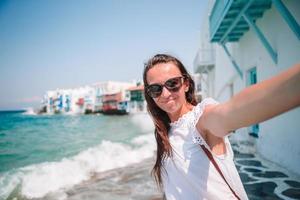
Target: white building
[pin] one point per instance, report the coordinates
(82, 99)
(252, 41)
(109, 87)
(136, 100)
(74, 101)
(57, 101)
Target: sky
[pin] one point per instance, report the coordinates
(50, 44)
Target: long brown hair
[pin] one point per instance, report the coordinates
(160, 118)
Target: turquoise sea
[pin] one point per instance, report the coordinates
(44, 154)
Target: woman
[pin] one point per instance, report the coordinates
(194, 157)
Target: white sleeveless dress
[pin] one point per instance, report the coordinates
(189, 174)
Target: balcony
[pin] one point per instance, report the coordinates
(226, 20)
(204, 60)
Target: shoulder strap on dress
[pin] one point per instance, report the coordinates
(211, 158)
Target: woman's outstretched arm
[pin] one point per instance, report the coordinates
(254, 104)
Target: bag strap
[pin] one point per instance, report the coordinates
(211, 158)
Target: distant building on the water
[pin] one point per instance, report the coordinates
(136, 101)
(109, 88)
(77, 100)
(114, 103)
(104, 97)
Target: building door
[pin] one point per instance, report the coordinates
(251, 80)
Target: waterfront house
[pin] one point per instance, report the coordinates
(113, 104)
(75, 101)
(82, 100)
(87, 99)
(245, 42)
(57, 101)
(109, 87)
(136, 103)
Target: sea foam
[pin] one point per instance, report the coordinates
(29, 111)
(55, 177)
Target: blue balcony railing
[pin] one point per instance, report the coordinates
(226, 21)
(218, 13)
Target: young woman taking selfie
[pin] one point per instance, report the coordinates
(194, 157)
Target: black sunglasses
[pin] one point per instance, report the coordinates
(173, 85)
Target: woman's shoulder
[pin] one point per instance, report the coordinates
(202, 104)
(193, 115)
(207, 101)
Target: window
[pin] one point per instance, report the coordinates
(251, 80)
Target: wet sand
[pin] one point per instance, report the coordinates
(131, 183)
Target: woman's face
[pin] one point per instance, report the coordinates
(170, 102)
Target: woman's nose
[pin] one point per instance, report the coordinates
(165, 92)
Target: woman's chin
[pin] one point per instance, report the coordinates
(171, 107)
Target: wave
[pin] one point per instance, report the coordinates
(38, 180)
(29, 111)
(143, 121)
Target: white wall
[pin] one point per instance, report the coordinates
(225, 73)
(279, 137)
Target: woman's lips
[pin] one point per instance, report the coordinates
(170, 101)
